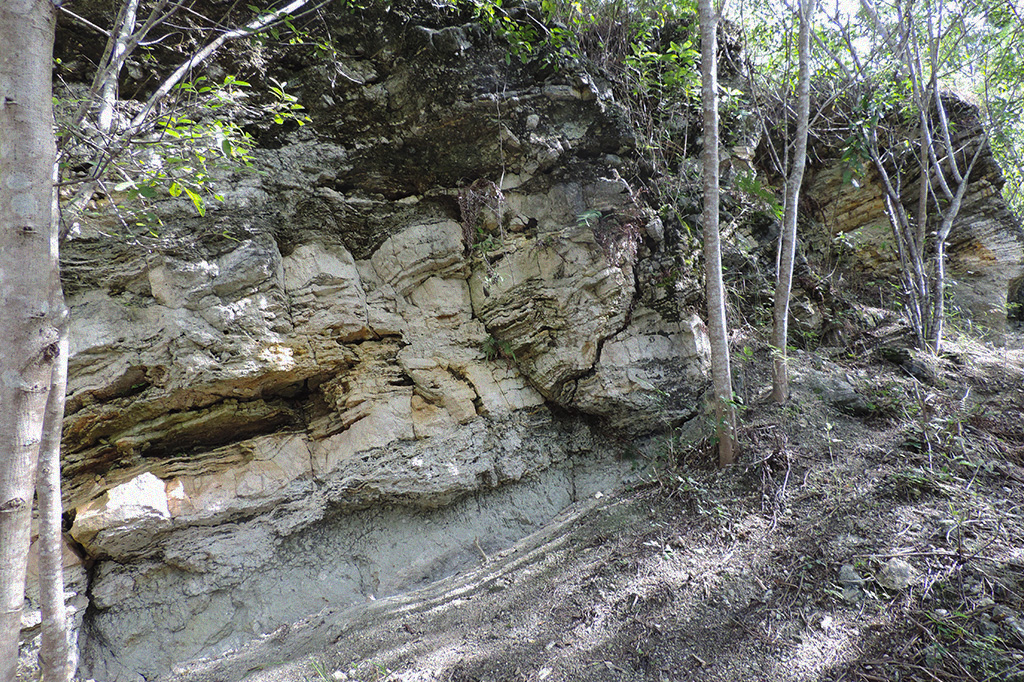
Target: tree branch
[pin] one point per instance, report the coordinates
(255, 26)
(82, 20)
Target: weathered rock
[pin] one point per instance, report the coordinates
(831, 383)
(127, 514)
(851, 581)
(417, 334)
(897, 574)
(985, 249)
(208, 588)
(915, 363)
(848, 576)
(653, 369)
(343, 381)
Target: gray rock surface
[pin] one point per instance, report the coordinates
(214, 589)
(851, 581)
(830, 382)
(425, 326)
(897, 574)
(414, 336)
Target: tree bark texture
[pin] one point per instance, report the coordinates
(725, 414)
(55, 653)
(787, 246)
(30, 302)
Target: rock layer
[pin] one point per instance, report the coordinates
(415, 335)
(985, 250)
(436, 316)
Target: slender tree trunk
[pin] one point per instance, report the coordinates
(126, 43)
(787, 249)
(105, 91)
(937, 309)
(55, 657)
(943, 186)
(725, 414)
(30, 302)
(118, 47)
(938, 304)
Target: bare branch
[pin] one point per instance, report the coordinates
(954, 208)
(82, 20)
(255, 26)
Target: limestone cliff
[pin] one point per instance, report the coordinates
(421, 329)
(986, 246)
(436, 316)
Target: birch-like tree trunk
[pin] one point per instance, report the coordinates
(30, 298)
(33, 352)
(721, 374)
(56, 660)
(787, 245)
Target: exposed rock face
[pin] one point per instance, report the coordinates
(985, 249)
(349, 378)
(425, 327)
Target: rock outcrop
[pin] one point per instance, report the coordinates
(433, 318)
(422, 329)
(985, 249)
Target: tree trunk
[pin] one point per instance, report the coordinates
(725, 414)
(30, 298)
(937, 308)
(787, 249)
(111, 71)
(55, 658)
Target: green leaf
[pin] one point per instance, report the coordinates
(175, 189)
(197, 201)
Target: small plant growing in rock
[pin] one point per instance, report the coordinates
(618, 234)
(494, 348)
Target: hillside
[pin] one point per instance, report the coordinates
(416, 387)
(883, 546)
